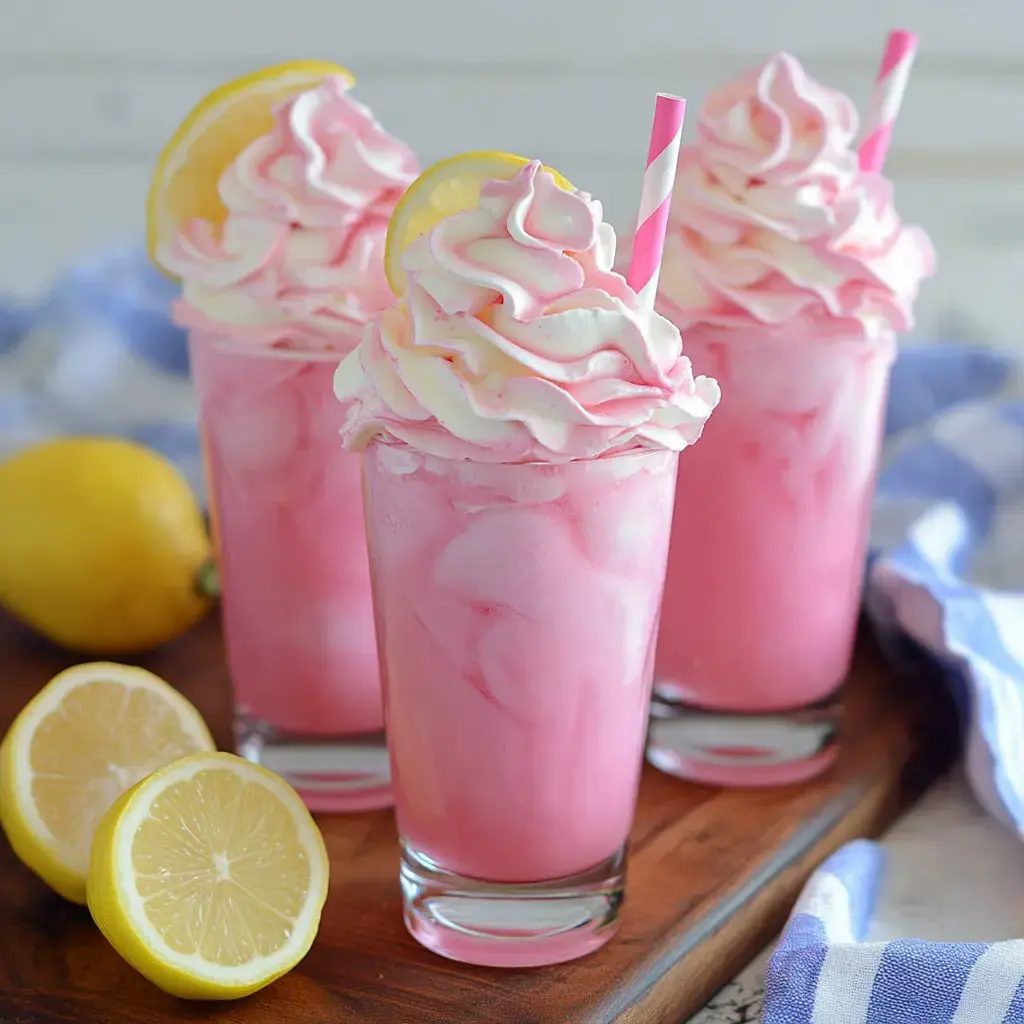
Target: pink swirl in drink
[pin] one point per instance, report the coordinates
(273, 300)
(789, 273)
(521, 414)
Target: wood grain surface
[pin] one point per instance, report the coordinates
(712, 875)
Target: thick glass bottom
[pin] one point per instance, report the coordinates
(728, 748)
(330, 773)
(493, 924)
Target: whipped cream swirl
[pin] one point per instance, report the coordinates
(773, 223)
(299, 260)
(517, 342)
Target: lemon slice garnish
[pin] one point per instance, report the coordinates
(217, 130)
(448, 187)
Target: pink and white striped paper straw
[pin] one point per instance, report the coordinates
(659, 177)
(886, 98)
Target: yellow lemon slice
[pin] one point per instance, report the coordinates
(449, 187)
(218, 128)
(91, 733)
(209, 877)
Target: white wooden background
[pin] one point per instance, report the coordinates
(90, 89)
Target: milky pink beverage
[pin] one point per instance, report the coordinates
(296, 606)
(518, 608)
(767, 557)
(522, 413)
(274, 293)
(790, 274)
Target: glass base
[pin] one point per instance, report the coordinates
(330, 773)
(494, 924)
(728, 748)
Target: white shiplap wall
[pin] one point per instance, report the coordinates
(90, 90)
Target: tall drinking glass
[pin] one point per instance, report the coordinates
(517, 610)
(767, 557)
(286, 502)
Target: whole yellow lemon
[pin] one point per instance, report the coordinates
(103, 548)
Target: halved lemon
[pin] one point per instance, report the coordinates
(218, 128)
(209, 877)
(448, 187)
(91, 733)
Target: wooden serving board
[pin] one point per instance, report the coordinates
(713, 874)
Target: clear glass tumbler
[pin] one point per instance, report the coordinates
(767, 557)
(517, 610)
(286, 507)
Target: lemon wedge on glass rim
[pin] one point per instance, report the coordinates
(188, 171)
(209, 877)
(448, 187)
(91, 733)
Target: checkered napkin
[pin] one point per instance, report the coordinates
(823, 972)
(99, 355)
(946, 576)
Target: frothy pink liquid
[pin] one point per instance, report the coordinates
(288, 512)
(517, 608)
(768, 541)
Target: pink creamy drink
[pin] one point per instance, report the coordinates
(524, 600)
(522, 416)
(272, 304)
(789, 273)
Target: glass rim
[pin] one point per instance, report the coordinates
(261, 351)
(638, 452)
(775, 335)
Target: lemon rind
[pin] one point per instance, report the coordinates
(190, 976)
(29, 835)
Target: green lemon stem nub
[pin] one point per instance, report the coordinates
(208, 580)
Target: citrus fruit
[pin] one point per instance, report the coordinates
(448, 187)
(218, 128)
(209, 877)
(91, 733)
(102, 545)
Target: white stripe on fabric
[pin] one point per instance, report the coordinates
(844, 986)
(826, 898)
(658, 180)
(991, 984)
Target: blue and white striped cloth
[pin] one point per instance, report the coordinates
(946, 577)
(99, 354)
(823, 972)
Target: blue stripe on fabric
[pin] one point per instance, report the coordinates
(970, 630)
(793, 971)
(931, 470)
(15, 321)
(1014, 413)
(153, 336)
(926, 381)
(1015, 1014)
(176, 441)
(908, 562)
(921, 981)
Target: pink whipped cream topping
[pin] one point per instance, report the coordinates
(299, 261)
(773, 223)
(517, 342)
